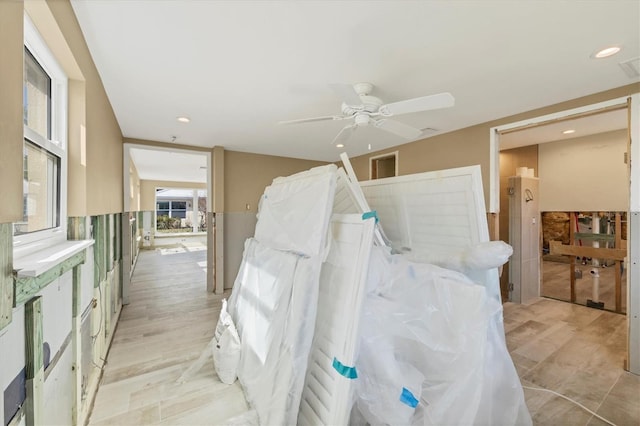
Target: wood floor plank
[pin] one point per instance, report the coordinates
(169, 321)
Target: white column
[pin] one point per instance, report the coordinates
(194, 212)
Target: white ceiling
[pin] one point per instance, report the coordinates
(236, 68)
(153, 164)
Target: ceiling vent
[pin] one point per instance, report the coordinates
(631, 67)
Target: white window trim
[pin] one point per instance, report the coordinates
(27, 243)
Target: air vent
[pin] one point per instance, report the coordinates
(631, 67)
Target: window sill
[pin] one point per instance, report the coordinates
(39, 262)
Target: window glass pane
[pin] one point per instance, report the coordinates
(179, 214)
(178, 205)
(36, 97)
(162, 205)
(40, 185)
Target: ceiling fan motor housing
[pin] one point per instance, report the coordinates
(361, 119)
(370, 104)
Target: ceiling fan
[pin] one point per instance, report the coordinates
(364, 109)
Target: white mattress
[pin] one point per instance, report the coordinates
(329, 384)
(434, 212)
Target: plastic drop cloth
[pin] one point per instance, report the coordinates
(433, 350)
(226, 347)
(275, 294)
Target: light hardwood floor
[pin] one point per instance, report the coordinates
(170, 320)
(571, 349)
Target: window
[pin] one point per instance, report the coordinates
(44, 152)
(179, 209)
(162, 208)
(176, 209)
(36, 102)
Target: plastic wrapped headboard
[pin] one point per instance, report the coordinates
(435, 212)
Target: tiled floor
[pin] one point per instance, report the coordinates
(578, 352)
(571, 349)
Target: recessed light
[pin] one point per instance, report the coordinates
(184, 119)
(339, 145)
(606, 52)
(568, 132)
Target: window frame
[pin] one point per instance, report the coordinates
(56, 145)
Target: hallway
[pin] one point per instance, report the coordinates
(571, 349)
(165, 327)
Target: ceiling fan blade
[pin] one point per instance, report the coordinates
(398, 128)
(311, 120)
(347, 93)
(424, 103)
(344, 134)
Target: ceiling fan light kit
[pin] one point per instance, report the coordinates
(358, 104)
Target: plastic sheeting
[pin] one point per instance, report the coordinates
(275, 294)
(429, 348)
(480, 257)
(433, 350)
(226, 347)
(294, 211)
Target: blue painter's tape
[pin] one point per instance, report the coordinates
(348, 372)
(369, 215)
(406, 397)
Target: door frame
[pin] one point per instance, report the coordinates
(632, 102)
(211, 284)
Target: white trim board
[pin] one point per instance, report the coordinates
(327, 395)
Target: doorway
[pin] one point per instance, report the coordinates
(383, 166)
(632, 208)
(147, 168)
(583, 180)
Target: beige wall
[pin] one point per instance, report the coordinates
(11, 47)
(148, 191)
(103, 154)
(246, 175)
(585, 174)
(470, 146)
(77, 152)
